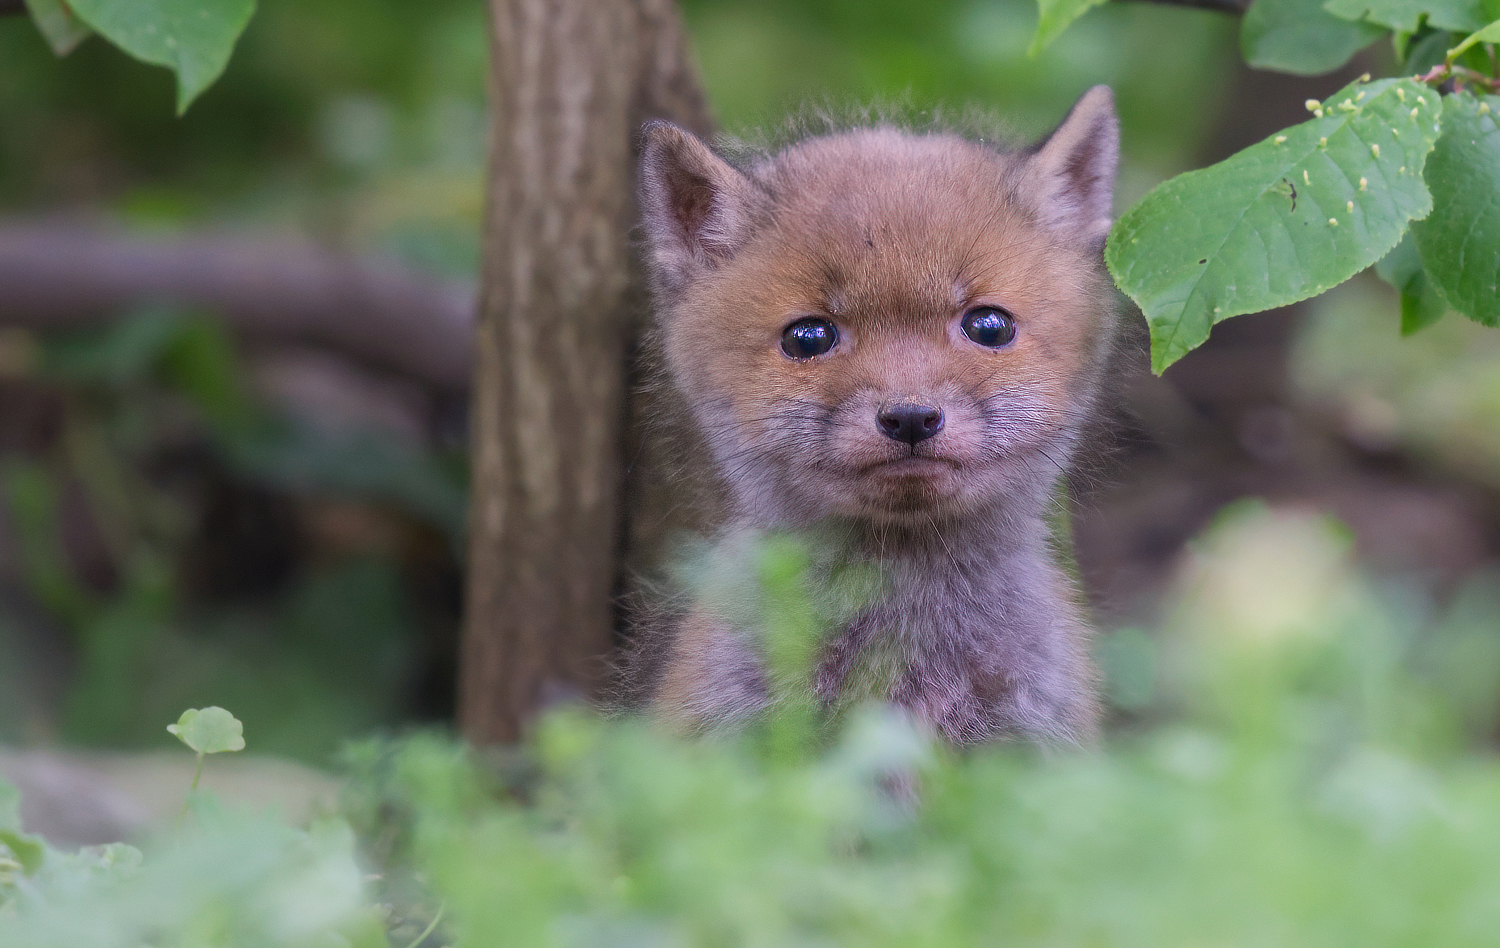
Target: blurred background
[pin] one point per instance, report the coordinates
(258, 503)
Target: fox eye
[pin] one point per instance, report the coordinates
(989, 326)
(808, 337)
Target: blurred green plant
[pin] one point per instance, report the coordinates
(1307, 776)
(231, 880)
(1311, 768)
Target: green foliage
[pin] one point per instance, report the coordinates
(1306, 768)
(1300, 37)
(1421, 304)
(1302, 782)
(1490, 34)
(1460, 247)
(1409, 15)
(310, 667)
(1055, 16)
(193, 38)
(1281, 221)
(1310, 207)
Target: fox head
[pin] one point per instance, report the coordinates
(884, 325)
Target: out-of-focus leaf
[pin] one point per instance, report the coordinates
(193, 38)
(209, 731)
(1300, 37)
(1426, 52)
(1408, 15)
(308, 458)
(1460, 241)
(10, 807)
(29, 851)
(1281, 221)
(58, 24)
(199, 361)
(1421, 303)
(126, 351)
(1055, 16)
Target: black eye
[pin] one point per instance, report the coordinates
(809, 337)
(989, 326)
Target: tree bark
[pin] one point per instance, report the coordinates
(571, 82)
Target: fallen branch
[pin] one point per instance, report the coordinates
(57, 275)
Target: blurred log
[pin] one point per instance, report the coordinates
(571, 83)
(62, 274)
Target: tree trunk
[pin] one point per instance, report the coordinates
(571, 82)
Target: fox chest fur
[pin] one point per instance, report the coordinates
(893, 343)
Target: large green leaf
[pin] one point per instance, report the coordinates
(193, 38)
(1299, 36)
(1282, 220)
(1460, 241)
(1055, 16)
(1406, 15)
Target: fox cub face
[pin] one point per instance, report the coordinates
(882, 325)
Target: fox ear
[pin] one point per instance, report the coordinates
(1071, 176)
(696, 206)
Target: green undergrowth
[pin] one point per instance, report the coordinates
(1303, 760)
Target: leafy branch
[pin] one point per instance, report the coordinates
(1400, 172)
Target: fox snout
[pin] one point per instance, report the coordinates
(909, 421)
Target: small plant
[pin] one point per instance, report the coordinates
(232, 881)
(209, 731)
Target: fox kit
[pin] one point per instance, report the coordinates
(893, 342)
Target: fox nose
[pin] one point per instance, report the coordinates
(910, 423)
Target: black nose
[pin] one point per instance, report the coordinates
(910, 423)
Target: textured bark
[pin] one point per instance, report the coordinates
(572, 80)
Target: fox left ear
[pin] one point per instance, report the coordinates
(1071, 176)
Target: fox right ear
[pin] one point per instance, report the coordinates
(696, 206)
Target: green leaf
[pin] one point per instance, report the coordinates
(193, 38)
(29, 851)
(1300, 37)
(1055, 16)
(1460, 241)
(1282, 220)
(1426, 52)
(1407, 15)
(1421, 303)
(58, 24)
(1490, 34)
(209, 731)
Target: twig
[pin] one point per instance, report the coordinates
(1459, 75)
